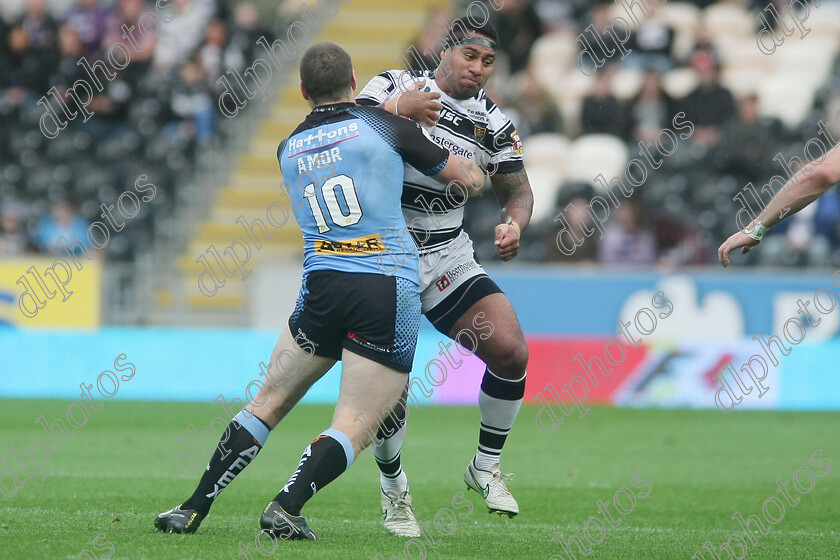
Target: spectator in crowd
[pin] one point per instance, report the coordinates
(652, 109)
(90, 20)
(677, 244)
(14, 241)
(215, 55)
(628, 240)
(518, 26)
(602, 113)
(29, 68)
(710, 106)
(40, 27)
(63, 221)
(32, 52)
(703, 4)
(425, 48)
(110, 106)
(128, 13)
(192, 108)
(571, 206)
(600, 19)
(179, 37)
(70, 50)
(558, 15)
(651, 45)
(703, 43)
(247, 31)
(535, 108)
(748, 145)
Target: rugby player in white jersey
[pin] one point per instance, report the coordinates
(457, 296)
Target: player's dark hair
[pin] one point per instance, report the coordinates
(464, 27)
(326, 71)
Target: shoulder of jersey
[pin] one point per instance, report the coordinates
(370, 109)
(408, 77)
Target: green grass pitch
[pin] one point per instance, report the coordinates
(120, 470)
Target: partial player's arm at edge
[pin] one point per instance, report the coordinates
(801, 190)
(798, 192)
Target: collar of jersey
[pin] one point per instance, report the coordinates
(333, 107)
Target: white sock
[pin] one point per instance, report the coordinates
(390, 446)
(483, 461)
(394, 485)
(387, 455)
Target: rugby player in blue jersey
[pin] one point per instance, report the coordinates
(343, 169)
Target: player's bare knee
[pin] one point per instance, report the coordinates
(519, 359)
(510, 360)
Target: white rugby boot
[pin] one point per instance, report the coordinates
(491, 485)
(398, 514)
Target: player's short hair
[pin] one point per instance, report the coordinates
(464, 28)
(326, 71)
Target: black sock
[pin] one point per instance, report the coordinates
(240, 448)
(321, 463)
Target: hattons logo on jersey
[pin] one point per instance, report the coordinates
(322, 138)
(443, 283)
(365, 245)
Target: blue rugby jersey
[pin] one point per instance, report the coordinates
(343, 169)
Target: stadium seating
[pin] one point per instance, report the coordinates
(204, 190)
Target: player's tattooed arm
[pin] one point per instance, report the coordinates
(513, 191)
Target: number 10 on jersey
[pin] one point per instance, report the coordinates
(329, 192)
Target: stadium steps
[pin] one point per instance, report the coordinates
(375, 33)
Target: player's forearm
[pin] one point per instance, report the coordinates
(520, 216)
(462, 171)
(513, 191)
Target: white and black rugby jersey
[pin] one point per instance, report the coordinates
(473, 128)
